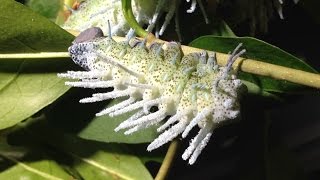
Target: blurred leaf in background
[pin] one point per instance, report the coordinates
(72, 155)
(47, 8)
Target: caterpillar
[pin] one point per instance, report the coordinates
(95, 13)
(191, 89)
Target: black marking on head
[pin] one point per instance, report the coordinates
(79, 53)
(88, 35)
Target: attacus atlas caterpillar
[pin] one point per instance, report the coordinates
(192, 89)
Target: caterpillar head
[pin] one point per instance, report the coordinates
(81, 54)
(88, 35)
(81, 50)
(89, 44)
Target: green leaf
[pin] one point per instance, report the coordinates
(92, 160)
(73, 117)
(102, 129)
(47, 8)
(221, 28)
(23, 30)
(255, 89)
(17, 163)
(260, 51)
(26, 86)
(104, 161)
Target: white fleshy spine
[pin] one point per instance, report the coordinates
(280, 9)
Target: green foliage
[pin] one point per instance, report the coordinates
(28, 164)
(28, 85)
(80, 119)
(23, 30)
(47, 8)
(71, 156)
(221, 28)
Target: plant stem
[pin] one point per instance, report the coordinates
(167, 162)
(35, 55)
(246, 65)
(279, 72)
(266, 69)
(131, 20)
